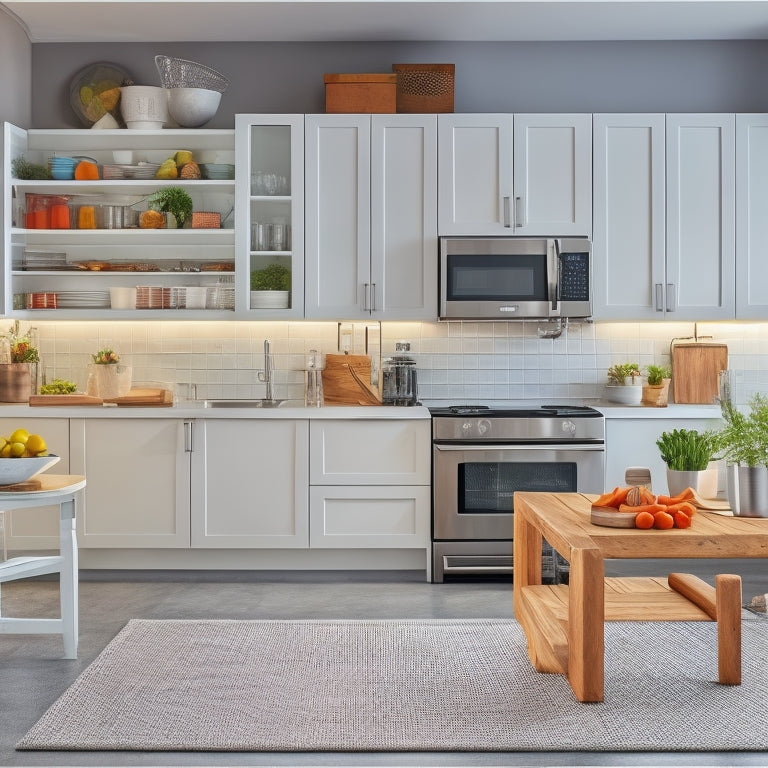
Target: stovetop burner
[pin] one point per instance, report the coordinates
(516, 412)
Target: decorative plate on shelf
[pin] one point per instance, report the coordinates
(95, 92)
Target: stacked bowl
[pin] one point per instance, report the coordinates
(62, 168)
(194, 90)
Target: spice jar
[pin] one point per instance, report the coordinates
(86, 217)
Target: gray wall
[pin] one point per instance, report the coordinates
(15, 72)
(690, 76)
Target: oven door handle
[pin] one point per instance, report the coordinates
(522, 447)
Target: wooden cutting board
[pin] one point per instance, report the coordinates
(696, 368)
(144, 397)
(73, 399)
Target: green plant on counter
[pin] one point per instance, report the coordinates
(58, 387)
(619, 373)
(657, 374)
(173, 200)
(273, 277)
(744, 438)
(687, 450)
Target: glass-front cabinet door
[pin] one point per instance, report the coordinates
(269, 193)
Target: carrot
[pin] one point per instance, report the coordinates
(644, 520)
(603, 501)
(681, 519)
(638, 495)
(684, 506)
(663, 521)
(652, 508)
(685, 495)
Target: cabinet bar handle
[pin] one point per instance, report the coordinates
(373, 297)
(187, 437)
(659, 298)
(505, 200)
(671, 303)
(367, 297)
(518, 212)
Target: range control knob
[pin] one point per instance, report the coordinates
(568, 426)
(483, 427)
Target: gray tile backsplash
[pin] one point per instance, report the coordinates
(472, 362)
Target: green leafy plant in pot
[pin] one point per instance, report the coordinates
(173, 200)
(744, 444)
(690, 458)
(271, 287)
(656, 391)
(624, 384)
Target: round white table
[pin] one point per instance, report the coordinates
(53, 489)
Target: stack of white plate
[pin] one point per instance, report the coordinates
(83, 299)
(217, 171)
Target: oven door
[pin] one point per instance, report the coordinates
(473, 485)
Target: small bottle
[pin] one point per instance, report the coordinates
(86, 217)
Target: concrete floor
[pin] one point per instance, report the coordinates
(32, 674)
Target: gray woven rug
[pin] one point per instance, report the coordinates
(401, 685)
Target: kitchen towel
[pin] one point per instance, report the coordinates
(383, 685)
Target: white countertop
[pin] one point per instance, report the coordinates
(672, 411)
(196, 410)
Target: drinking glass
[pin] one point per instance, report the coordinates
(279, 237)
(261, 236)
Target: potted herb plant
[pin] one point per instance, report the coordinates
(107, 376)
(18, 371)
(744, 445)
(690, 459)
(656, 391)
(174, 201)
(624, 385)
(271, 287)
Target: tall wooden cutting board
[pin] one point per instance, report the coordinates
(695, 371)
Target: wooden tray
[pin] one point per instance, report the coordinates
(73, 399)
(611, 518)
(144, 398)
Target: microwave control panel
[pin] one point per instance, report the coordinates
(574, 277)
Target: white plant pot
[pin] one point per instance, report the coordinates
(704, 481)
(627, 394)
(270, 299)
(144, 107)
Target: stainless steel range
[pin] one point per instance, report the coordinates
(482, 455)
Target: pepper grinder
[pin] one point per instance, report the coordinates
(313, 379)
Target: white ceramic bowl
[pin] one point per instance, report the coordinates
(629, 394)
(192, 107)
(14, 471)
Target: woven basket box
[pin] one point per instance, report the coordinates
(424, 87)
(350, 93)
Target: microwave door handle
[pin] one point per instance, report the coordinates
(467, 447)
(554, 292)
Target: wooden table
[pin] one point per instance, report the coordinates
(61, 490)
(564, 624)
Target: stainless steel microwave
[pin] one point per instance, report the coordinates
(508, 278)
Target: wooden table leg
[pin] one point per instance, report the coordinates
(68, 579)
(586, 624)
(728, 600)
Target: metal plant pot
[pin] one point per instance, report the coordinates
(748, 490)
(16, 382)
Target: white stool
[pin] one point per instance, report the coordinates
(60, 489)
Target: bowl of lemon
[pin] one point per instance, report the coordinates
(22, 456)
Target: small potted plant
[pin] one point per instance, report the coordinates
(18, 371)
(690, 459)
(656, 391)
(624, 385)
(174, 201)
(271, 287)
(744, 444)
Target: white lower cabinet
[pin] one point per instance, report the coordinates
(38, 527)
(370, 484)
(138, 479)
(250, 482)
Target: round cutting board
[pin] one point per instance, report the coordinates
(611, 518)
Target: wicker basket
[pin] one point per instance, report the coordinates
(424, 87)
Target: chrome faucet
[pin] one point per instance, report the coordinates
(265, 376)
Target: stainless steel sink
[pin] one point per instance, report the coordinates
(263, 403)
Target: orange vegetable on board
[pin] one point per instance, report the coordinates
(644, 520)
(86, 171)
(652, 508)
(685, 495)
(684, 506)
(663, 521)
(639, 495)
(681, 519)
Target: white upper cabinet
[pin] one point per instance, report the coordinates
(701, 242)
(751, 216)
(270, 211)
(371, 230)
(515, 175)
(628, 245)
(664, 243)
